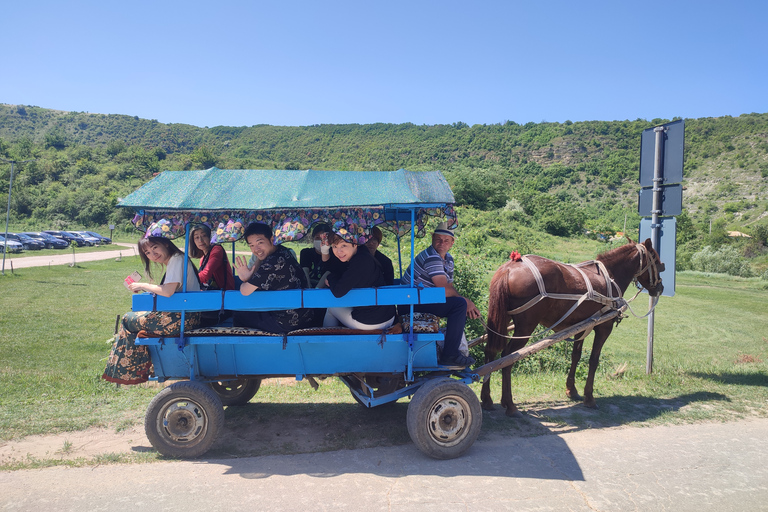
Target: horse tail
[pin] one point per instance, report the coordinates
(498, 310)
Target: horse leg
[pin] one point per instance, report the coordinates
(601, 334)
(570, 382)
(521, 331)
(486, 401)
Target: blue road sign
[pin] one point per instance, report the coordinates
(671, 201)
(666, 247)
(672, 165)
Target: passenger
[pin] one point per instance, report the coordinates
(434, 267)
(127, 362)
(277, 270)
(214, 273)
(386, 264)
(363, 271)
(310, 258)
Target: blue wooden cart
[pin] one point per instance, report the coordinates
(224, 366)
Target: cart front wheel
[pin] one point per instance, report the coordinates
(236, 392)
(444, 418)
(184, 419)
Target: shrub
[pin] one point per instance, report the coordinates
(724, 260)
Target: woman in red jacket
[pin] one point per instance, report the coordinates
(214, 272)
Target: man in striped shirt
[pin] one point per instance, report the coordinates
(433, 268)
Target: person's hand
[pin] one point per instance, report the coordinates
(241, 267)
(136, 287)
(325, 244)
(472, 311)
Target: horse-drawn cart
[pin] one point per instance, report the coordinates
(224, 365)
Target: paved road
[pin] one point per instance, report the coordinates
(678, 468)
(65, 258)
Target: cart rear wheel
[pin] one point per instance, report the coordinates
(184, 419)
(382, 385)
(236, 392)
(444, 418)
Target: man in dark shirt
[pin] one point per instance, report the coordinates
(278, 270)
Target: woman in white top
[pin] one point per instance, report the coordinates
(127, 362)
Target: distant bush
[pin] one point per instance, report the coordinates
(724, 260)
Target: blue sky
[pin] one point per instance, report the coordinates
(241, 63)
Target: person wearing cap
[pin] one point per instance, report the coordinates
(434, 268)
(359, 269)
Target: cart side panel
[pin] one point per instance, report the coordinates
(299, 355)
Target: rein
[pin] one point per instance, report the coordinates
(610, 302)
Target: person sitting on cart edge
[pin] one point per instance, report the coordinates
(362, 271)
(129, 363)
(434, 268)
(278, 270)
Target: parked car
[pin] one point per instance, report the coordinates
(104, 239)
(88, 238)
(50, 241)
(29, 243)
(69, 237)
(13, 245)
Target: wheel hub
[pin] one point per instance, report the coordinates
(447, 421)
(183, 421)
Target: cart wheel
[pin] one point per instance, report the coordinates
(236, 392)
(444, 418)
(184, 419)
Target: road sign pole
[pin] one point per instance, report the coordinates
(657, 179)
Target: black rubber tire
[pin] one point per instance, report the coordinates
(236, 392)
(444, 418)
(184, 419)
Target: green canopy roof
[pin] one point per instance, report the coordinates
(351, 202)
(218, 189)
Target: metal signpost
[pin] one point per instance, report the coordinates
(661, 197)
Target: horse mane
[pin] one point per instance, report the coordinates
(498, 317)
(610, 254)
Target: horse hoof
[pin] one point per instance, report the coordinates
(514, 414)
(576, 398)
(488, 406)
(591, 404)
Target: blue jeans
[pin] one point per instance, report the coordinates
(454, 310)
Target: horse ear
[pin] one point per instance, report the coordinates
(629, 240)
(648, 244)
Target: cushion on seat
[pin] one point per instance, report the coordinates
(423, 322)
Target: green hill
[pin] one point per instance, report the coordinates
(563, 178)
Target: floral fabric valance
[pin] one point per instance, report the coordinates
(352, 224)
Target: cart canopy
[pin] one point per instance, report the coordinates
(352, 202)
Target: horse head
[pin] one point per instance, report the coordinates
(651, 267)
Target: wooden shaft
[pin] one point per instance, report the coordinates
(512, 358)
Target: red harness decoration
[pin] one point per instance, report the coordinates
(515, 256)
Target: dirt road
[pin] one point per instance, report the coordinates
(708, 466)
(66, 257)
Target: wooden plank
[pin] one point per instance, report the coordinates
(512, 358)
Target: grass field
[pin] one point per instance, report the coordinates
(711, 364)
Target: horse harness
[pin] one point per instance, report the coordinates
(609, 301)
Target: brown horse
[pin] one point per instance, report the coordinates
(516, 293)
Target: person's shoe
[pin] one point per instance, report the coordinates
(458, 361)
